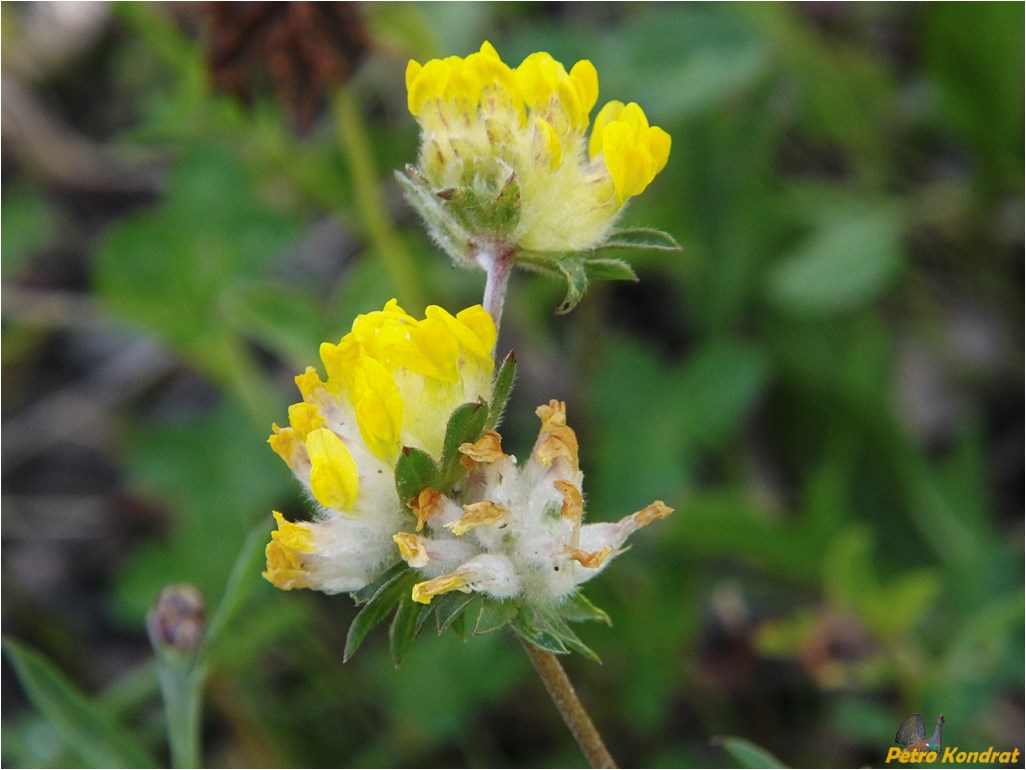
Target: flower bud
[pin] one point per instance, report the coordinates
(178, 620)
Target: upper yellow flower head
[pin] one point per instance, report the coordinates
(511, 147)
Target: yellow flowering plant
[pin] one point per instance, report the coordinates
(418, 510)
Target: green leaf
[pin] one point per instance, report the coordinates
(500, 392)
(458, 624)
(81, 723)
(284, 318)
(413, 471)
(366, 593)
(558, 626)
(579, 609)
(377, 609)
(494, 615)
(571, 266)
(466, 424)
(603, 269)
(241, 581)
(747, 753)
(644, 238)
(405, 626)
(716, 388)
(166, 268)
(451, 607)
(530, 628)
(850, 258)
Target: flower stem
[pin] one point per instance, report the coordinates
(574, 714)
(498, 264)
(182, 687)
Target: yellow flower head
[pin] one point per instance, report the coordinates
(512, 143)
(377, 445)
(392, 382)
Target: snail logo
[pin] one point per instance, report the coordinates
(912, 734)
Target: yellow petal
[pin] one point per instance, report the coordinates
(423, 592)
(476, 515)
(634, 152)
(412, 70)
(379, 407)
(411, 548)
(424, 505)
(334, 482)
(589, 559)
(309, 382)
(304, 418)
(285, 442)
(550, 143)
(573, 501)
(561, 441)
(284, 564)
(651, 512)
(552, 413)
(473, 327)
(537, 78)
(609, 112)
(486, 449)
(585, 79)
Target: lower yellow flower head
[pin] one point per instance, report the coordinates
(391, 383)
(397, 449)
(510, 147)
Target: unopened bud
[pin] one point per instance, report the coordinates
(178, 621)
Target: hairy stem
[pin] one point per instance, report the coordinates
(574, 714)
(497, 260)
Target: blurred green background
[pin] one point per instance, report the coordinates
(826, 383)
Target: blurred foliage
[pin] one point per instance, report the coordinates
(826, 384)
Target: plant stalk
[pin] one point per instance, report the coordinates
(182, 687)
(570, 707)
(498, 265)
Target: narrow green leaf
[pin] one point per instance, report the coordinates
(602, 269)
(413, 471)
(466, 424)
(571, 267)
(366, 593)
(459, 625)
(450, 607)
(527, 626)
(244, 575)
(747, 753)
(540, 261)
(79, 721)
(494, 615)
(404, 627)
(646, 238)
(504, 380)
(579, 609)
(377, 609)
(559, 628)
